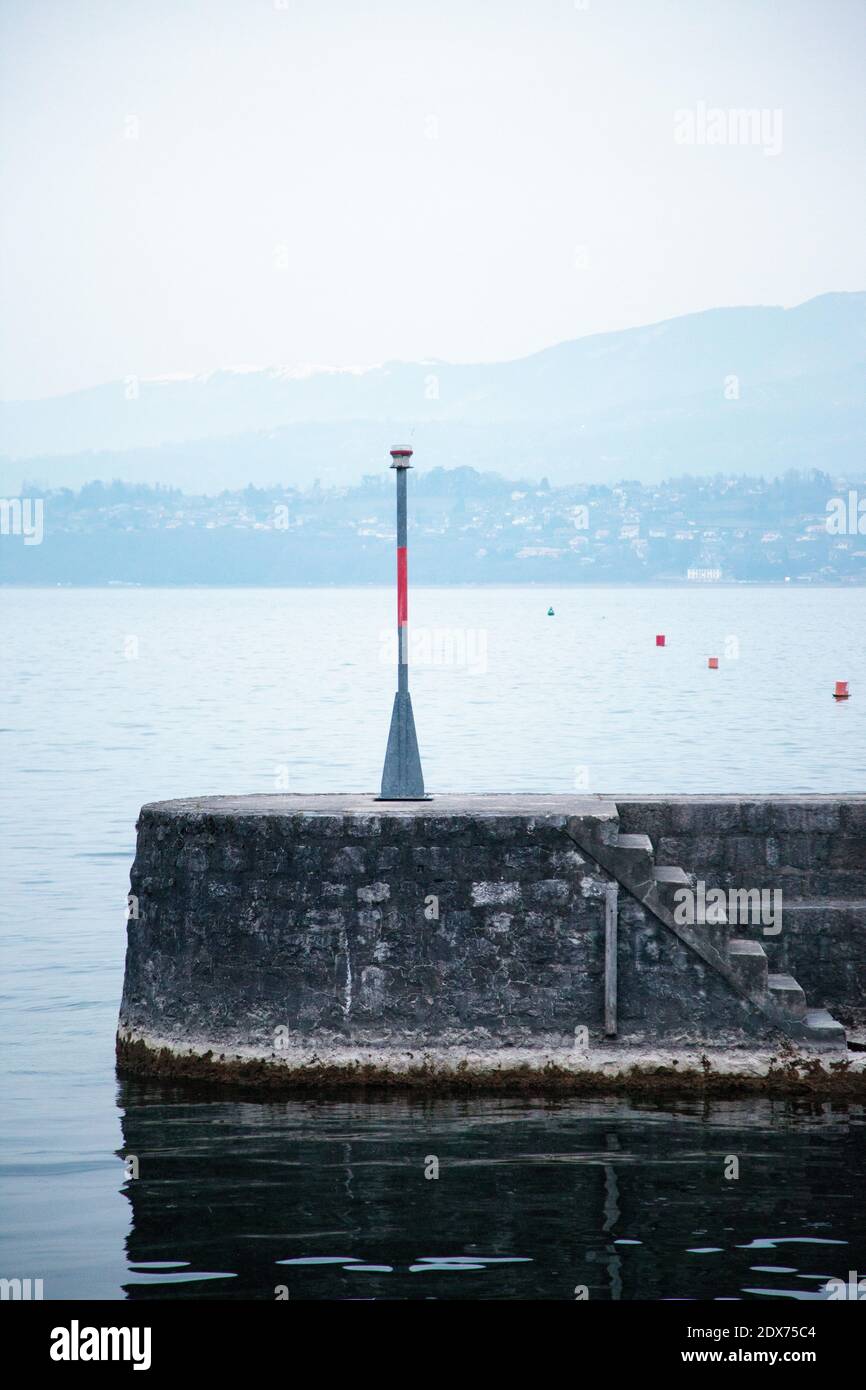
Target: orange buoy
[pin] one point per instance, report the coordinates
(841, 691)
(660, 639)
(713, 663)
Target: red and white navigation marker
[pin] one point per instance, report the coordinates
(402, 778)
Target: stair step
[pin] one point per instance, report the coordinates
(672, 873)
(633, 857)
(748, 960)
(824, 1026)
(669, 880)
(635, 842)
(785, 991)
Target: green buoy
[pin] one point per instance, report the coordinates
(550, 613)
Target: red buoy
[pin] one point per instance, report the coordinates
(841, 691)
(660, 639)
(713, 663)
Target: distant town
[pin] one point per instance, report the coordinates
(466, 526)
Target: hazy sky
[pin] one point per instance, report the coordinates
(190, 184)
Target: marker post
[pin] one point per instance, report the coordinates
(402, 778)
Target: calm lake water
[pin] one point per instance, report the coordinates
(116, 697)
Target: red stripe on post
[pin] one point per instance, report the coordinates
(402, 586)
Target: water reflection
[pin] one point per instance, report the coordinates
(533, 1199)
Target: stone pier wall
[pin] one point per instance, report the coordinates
(465, 932)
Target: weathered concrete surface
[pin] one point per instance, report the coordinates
(606, 1069)
(300, 935)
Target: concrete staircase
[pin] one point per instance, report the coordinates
(742, 962)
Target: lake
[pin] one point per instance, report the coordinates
(114, 697)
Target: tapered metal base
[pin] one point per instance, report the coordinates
(402, 778)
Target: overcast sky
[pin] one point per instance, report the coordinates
(189, 184)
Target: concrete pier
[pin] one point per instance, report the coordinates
(318, 940)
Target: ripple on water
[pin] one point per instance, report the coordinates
(184, 1277)
(320, 1260)
(770, 1244)
(476, 1259)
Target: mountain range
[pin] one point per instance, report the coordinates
(755, 390)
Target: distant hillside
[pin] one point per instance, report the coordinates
(464, 527)
(748, 389)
